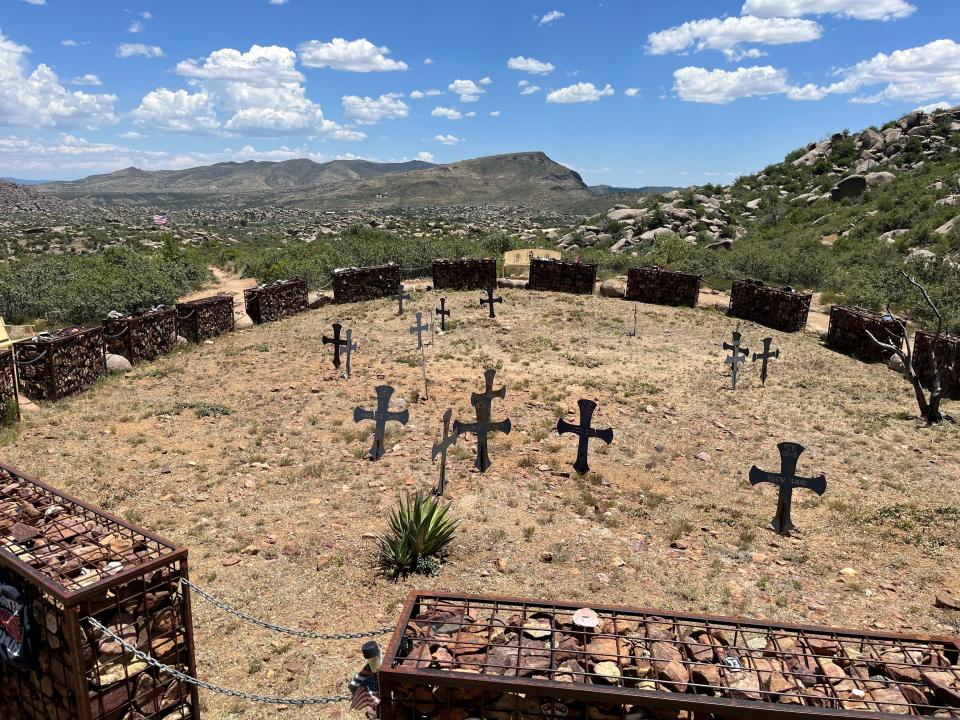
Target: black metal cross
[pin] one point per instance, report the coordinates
(350, 347)
(765, 356)
(417, 329)
(440, 448)
(737, 356)
(336, 342)
(482, 403)
(787, 479)
(490, 300)
(380, 416)
(585, 432)
(443, 313)
(400, 297)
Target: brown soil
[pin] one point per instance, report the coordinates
(280, 482)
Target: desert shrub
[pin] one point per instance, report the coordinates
(419, 534)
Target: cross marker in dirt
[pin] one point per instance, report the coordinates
(490, 300)
(443, 313)
(400, 297)
(737, 356)
(440, 448)
(337, 343)
(482, 404)
(585, 432)
(380, 416)
(417, 329)
(349, 347)
(787, 479)
(766, 355)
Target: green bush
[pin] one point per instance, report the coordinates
(418, 537)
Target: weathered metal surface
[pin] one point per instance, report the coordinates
(350, 348)
(400, 295)
(662, 287)
(559, 276)
(440, 448)
(490, 300)
(585, 433)
(444, 313)
(464, 274)
(738, 355)
(337, 343)
(418, 328)
(766, 356)
(848, 332)
(504, 658)
(381, 416)
(203, 319)
(75, 562)
(779, 308)
(142, 335)
(365, 283)
(482, 404)
(9, 394)
(51, 366)
(946, 352)
(283, 298)
(786, 480)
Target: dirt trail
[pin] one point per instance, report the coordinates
(224, 282)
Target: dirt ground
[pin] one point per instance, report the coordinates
(245, 450)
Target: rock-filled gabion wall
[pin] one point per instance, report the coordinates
(947, 350)
(9, 400)
(561, 276)
(662, 287)
(52, 366)
(848, 332)
(69, 562)
(464, 274)
(199, 320)
(141, 336)
(280, 299)
(779, 308)
(365, 283)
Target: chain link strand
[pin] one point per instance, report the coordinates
(279, 628)
(183, 677)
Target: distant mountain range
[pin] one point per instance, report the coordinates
(529, 178)
(20, 181)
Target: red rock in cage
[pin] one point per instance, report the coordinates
(199, 320)
(51, 366)
(141, 335)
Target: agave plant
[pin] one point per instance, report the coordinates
(419, 534)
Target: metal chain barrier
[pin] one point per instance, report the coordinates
(126, 329)
(188, 315)
(279, 628)
(238, 694)
(37, 359)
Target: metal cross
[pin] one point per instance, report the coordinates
(765, 356)
(440, 448)
(350, 347)
(490, 300)
(737, 356)
(381, 416)
(417, 329)
(787, 479)
(336, 342)
(400, 297)
(634, 333)
(443, 313)
(585, 432)
(482, 403)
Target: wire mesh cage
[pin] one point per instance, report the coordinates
(662, 287)
(51, 366)
(464, 274)
(550, 275)
(142, 335)
(266, 303)
(9, 395)
(199, 320)
(455, 656)
(945, 354)
(848, 332)
(779, 308)
(63, 562)
(365, 283)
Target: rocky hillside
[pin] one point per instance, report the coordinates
(516, 179)
(15, 198)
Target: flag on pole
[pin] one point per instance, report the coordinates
(161, 219)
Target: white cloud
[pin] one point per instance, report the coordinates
(146, 15)
(35, 2)
(73, 43)
(420, 94)
(551, 16)
(579, 93)
(468, 90)
(449, 113)
(470, 114)
(135, 27)
(486, 81)
(527, 88)
(447, 139)
(39, 99)
(428, 61)
(494, 113)
(530, 65)
(354, 55)
(369, 111)
(416, 95)
(933, 107)
(278, 2)
(88, 79)
(631, 92)
(729, 34)
(696, 84)
(131, 135)
(128, 50)
(856, 9)
(425, 156)
(178, 112)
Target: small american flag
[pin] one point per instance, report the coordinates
(161, 219)
(367, 695)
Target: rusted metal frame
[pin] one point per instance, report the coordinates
(188, 624)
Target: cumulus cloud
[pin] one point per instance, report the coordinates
(128, 50)
(428, 61)
(527, 88)
(447, 139)
(354, 55)
(35, 2)
(933, 107)
(448, 113)
(89, 79)
(551, 16)
(631, 92)
(369, 111)
(37, 98)
(494, 113)
(73, 43)
(579, 93)
(855, 9)
(530, 65)
(728, 35)
(468, 90)
(720, 87)
(425, 156)
(177, 111)
(135, 27)
(420, 94)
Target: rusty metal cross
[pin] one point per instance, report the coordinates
(786, 480)
(585, 433)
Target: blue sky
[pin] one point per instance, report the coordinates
(626, 92)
